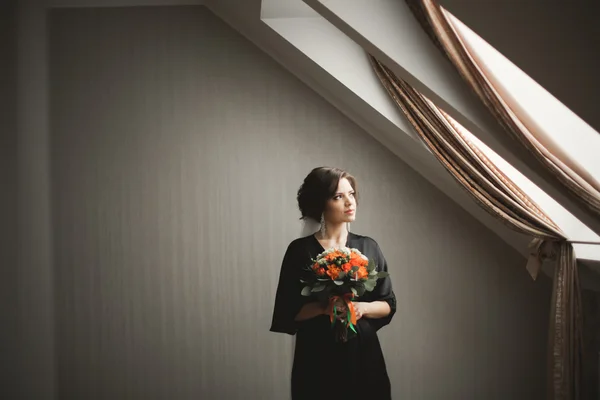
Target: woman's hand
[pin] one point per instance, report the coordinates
(375, 309)
(361, 309)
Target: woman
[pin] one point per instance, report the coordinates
(323, 367)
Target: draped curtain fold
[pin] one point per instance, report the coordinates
(450, 143)
(580, 184)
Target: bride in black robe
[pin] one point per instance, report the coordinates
(323, 367)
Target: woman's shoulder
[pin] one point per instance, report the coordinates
(363, 238)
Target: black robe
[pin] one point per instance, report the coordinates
(324, 368)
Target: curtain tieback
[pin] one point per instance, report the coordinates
(539, 251)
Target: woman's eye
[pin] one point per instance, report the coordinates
(337, 197)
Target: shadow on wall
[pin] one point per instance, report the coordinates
(8, 200)
(591, 344)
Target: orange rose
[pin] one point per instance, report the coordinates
(331, 257)
(346, 267)
(362, 273)
(321, 271)
(334, 272)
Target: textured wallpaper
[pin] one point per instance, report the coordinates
(8, 199)
(177, 149)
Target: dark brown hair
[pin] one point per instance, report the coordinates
(319, 186)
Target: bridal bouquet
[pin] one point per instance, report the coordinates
(338, 276)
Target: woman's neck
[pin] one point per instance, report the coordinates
(334, 233)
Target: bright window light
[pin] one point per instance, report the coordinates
(555, 124)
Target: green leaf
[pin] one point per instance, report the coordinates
(360, 290)
(373, 273)
(354, 269)
(354, 291)
(319, 287)
(383, 274)
(369, 285)
(341, 275)
(339, 283)
(323, 279)
(306, 291)
(371, 266)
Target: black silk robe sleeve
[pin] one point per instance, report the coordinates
(288, 297)
(383, 291)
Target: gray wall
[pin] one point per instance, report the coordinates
(8, 198)
(591, 344)
(35, 271)
(554, 42)
(177, 148)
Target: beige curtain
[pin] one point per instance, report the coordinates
(439, 26)
(498, 195)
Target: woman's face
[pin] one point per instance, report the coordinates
(342, 206)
